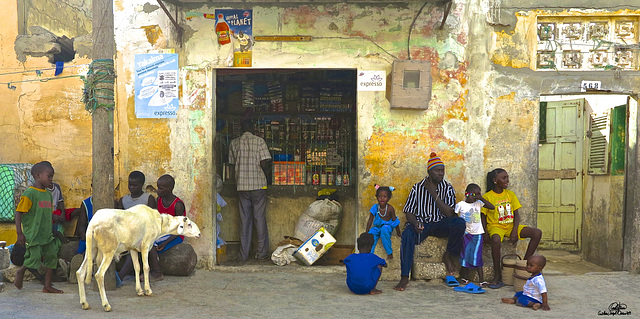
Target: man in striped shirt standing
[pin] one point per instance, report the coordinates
(429, 212)
(250, 155)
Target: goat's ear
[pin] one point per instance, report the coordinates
(181, 226)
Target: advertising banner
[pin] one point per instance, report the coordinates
(156, 85)
(235, 27)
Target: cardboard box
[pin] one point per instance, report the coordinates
(221, 254)
(312, 249)
(288, 173)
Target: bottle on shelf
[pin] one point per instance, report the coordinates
(323, 178)
(345, 179)
(338, 179)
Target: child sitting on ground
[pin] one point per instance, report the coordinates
(471, 254)
(33, 226)
(383, 220)
(135, 197)
(167, 203)
(534, 293)
(364, 269)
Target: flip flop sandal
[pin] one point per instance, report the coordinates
(470, 288)
(464, 281)
(484, 284)
(451, 281)
(497, 285)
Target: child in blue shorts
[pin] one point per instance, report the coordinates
(364, 269)
(471, 253)
(534, 292)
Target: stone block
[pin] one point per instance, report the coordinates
(180, 260)
(9, 274)
(109, 278)
(428, 263)
(68, 250)
(392, 272)
(76, 261)
(427, 270)
(431, 249)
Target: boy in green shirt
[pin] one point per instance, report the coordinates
(33, 226)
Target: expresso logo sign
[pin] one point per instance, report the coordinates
(372, 81)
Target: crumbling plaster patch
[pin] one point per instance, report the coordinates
(40, 43)
(69, 17)
(148, 7)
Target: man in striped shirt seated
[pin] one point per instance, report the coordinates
(429, 212)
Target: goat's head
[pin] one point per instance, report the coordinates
(188, 228)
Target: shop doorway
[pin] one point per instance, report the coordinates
(308, 120)
(580, 162)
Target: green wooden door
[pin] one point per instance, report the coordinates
(560, 173)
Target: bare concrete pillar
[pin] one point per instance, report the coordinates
(632, 192)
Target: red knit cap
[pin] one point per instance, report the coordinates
(434, 160)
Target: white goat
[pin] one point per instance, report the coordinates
(112, 231)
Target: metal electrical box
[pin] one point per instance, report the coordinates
(411, 84)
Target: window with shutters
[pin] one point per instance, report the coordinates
(599, 132)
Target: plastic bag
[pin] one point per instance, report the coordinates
(283, 255)
(321, 213)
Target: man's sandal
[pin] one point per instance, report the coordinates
(497, 285)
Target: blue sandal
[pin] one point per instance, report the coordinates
(451, 281)
(470, 288)
(497, 285)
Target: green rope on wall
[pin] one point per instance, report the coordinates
(100, 71)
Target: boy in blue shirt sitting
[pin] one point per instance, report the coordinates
(364, 269)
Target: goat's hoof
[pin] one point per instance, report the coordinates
(148, 292)
(85, 306)
(107, 307)
(140, 292)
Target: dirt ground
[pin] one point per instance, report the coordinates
(268, 291)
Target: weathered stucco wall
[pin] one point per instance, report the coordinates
(483, 112)
(393, 145)
(180, 147)
(603, 222)
(473, 127)
(44, 120)
(512, 52)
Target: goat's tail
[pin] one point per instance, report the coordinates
(88, 256)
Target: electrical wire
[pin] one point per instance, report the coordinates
(361, 37)
(39, 71)
(411, 28)
(12, 87)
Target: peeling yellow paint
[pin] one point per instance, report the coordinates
(153, 33)
(511, 50)
(119, 5)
